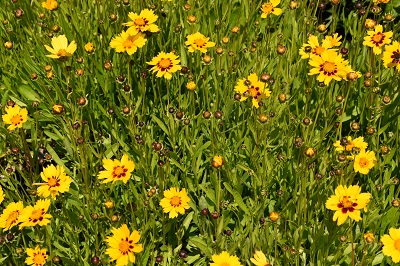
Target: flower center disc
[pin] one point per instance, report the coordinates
(347, 203)
(140, 22)
(16, 119)
(319, 50)
(127, 44)
(62, 52)
(124, 246)
(164, 63)
(118, 171)
(363, 162)
(199, 42)
(12, 218)
(396, 55)
(267, 8)
(377, 38)
(36, 214)
(52, 182)
(329, 67)
(175, 201)
(397, 244)
(38, 259)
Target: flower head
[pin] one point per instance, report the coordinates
(128, 43)
(391, 244)
(332, 41)
(1, 195)
(36, 257)
(217, 161)
(347, 202)
(117, 170)
(10, 216)
(50, 4)
(364, 161)
(123, 245)
(224, 259)
(141, 22)
(391, 56)
(165, 64)
(191, 86)
(15, 116)
(89, 48)
(175, 201)
(312, 47)
(198, 41)
(56, 181)
(61, 50)
(270, 8)
(351, 143)
(31, 216)
(377, 39)
(329, 66)
(259, 259)
(252, 87)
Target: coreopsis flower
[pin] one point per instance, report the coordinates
(128, 43)
(117, 170)
(369, 237)
(141, 22)
(123, 245)
(57, 109)
(377, 38)
(191, 86)
(347, 202)
(224, 259)
(165, 64)
(259, 259)
(198, 41)
(50, 4)
(364, 161)
(15, 116)
(391, 244)
(217, 161)
(252, 87)
(1, 195)
(36, 257)
(332, 41)
(56, 181)
(381, 1)
(175, 201)
(370, 24)
(61, 50)
(270, 8)
(10, 216)
(351, 143)
(329, 66)
(312, 47)
(35, 215)
(89, 48)
(391, 56)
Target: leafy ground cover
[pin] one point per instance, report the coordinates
(211, 132)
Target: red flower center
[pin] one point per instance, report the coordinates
(175, 201)
(347, 205)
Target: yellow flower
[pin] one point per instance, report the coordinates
(191, 86)
(31, 216)
(37, 256)
(61, 50)
(252, 87)
(89, 48)
(198, 41)
(381, 1)
(11, 214)
(377, 39)
(128, 43)
(117, 170)
(370, 24)
(57, 109)
(259, 259)
(175, 201)
(329, 66)
(1, 195)
(50, 4)
(312, 47)
(15, 116)
(391, 244)
(347, 202)
(369, 237)
(123, 245)
(142, 22)
(391, 56)
(217, 161)
(224, 259)
(270, 8)
(56, 181)
(356, 143)
(165, 64)
(364, 161)
(332, 41)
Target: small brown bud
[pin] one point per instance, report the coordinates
(80, 72)
(113, 17)
(293, 4)
(282, 97)
(281, 49)
(192, 19)
(385, 149)
(396, 203)
(355, 126)
(187, 7)
(219, 50)
(386, 99)
(235, 29)
(56, 28)
(82, 101)
(321, 28)
(263, 118)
